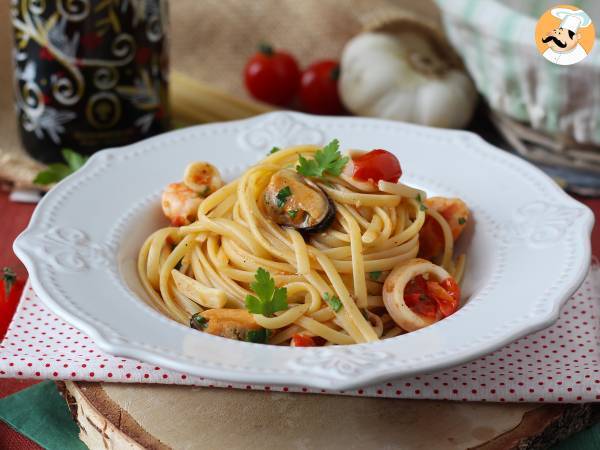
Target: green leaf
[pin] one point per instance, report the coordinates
(269, 299)
(274, 150)
(258, 336)
(293, 213)
(279, 300)
(462, 220)
(333, 301)
(422, 207)
(254, 305)
(282, 196)
(328, 160)
(375, 275)
(58, 171)
(74, 160)
(198, 322)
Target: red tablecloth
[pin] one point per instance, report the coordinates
(16, 216)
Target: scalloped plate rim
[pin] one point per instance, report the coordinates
(119, 348)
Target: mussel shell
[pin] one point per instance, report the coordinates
(327, 220)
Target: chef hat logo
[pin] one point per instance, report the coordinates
(565, 35)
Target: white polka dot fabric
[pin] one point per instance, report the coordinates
(558, 364)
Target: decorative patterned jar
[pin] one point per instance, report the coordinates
(89, 74)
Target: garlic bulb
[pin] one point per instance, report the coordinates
(401, 76)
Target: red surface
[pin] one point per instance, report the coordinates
(15, 217)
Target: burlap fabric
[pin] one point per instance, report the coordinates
(211, 41)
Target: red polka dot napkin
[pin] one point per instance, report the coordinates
(558, 364)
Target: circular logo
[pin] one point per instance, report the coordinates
(565, 35)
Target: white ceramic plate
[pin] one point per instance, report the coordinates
(528, 249)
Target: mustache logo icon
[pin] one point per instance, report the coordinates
(555, 40)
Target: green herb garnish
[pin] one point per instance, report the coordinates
(462, 220)
(419, 198)
(198, 322)
(274, 150)
(375, 275)
(333, 301)
(328, 160)
(282, 196)
(258, 336)
(293, 213)
(57, 171)
(269, 299)
(422, 207)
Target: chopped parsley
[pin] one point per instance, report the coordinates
(198, 322)
(328, 160)
(333, 301)
(274, 150)
(462, 220)
(375, 275)
(419, 198)
(422, 207)
(282, 196)
(293, 213)
(258, 336)
(268, 299)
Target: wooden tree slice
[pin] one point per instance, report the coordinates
(113, 415)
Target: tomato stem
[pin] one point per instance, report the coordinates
(335, 73)
(9, 277)
(266, 49)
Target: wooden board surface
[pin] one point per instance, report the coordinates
(113, 415)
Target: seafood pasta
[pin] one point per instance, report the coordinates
(309, 247)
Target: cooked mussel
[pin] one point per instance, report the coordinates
(292, 200)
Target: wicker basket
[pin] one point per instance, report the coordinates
(560, 103)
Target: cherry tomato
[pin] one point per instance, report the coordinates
(377, 165)
(272, 76)
(417, 298)
(319, 88)
(299, 340)
(426, 298)
(10, 293)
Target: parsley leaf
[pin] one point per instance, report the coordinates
(57, 171)
(258, 336)
(375, 275)
(333, 301)
(269, 299)
(422, 207)
(274, 150)
(462, 220)
(198, 322)
(282, 196)
(293, 213)
(328, 160)
(419, 198)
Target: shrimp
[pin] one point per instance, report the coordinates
(180, 201)
(431, 237)
(202, 177)
(180, 204)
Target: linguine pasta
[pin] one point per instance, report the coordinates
(338, 281)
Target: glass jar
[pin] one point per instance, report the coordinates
(89, 74)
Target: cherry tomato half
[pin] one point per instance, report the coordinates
(377, 165)
(319, 88)
(428, 297)
(299, 340)
(272, 76)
